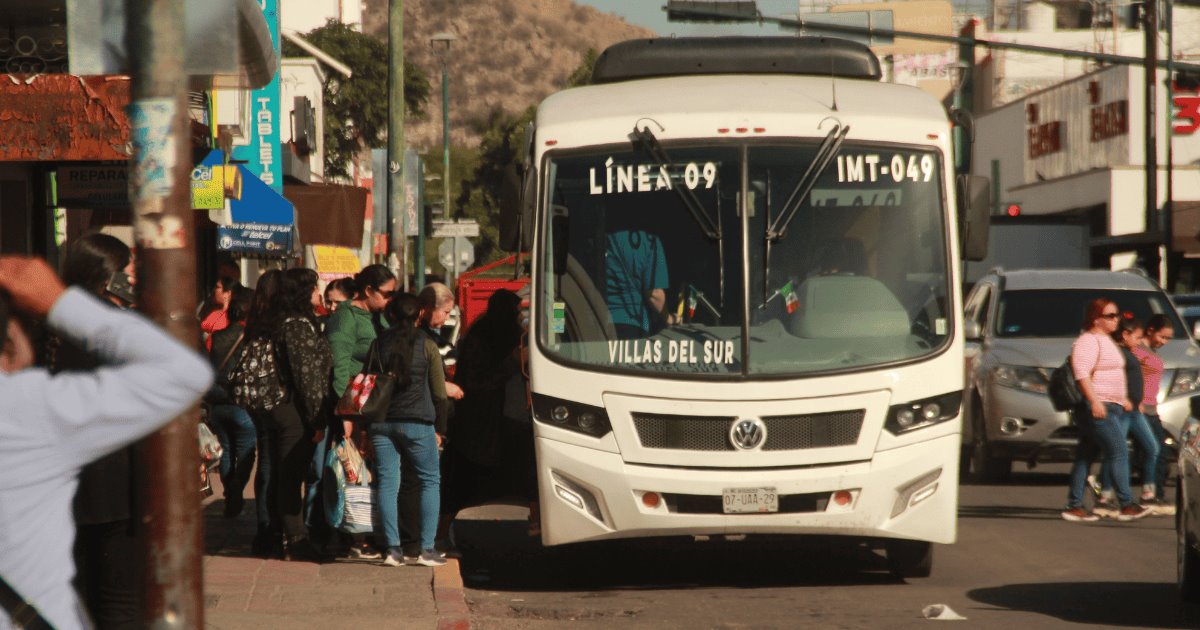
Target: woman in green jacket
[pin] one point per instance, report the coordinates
(350, 330)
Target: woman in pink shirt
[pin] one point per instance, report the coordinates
(1100, 371)
(1158, 332)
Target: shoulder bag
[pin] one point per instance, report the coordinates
(368, 394)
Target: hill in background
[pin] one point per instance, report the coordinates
(509, 54)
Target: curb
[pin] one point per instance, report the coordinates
(449, 597)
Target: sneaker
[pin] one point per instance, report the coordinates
(1133, 512)
(364, 553)
(1094, 485)
(1148, 499)
(1105, 508)
(1078, 514)
(394, 559)
(429, 558)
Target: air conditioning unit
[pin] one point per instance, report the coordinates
(304, 126)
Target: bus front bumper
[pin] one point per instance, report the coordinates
(909, 492)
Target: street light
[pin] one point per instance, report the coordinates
(444, 40)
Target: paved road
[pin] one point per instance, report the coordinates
(1016, 564)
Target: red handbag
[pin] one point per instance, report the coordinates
(368, 394)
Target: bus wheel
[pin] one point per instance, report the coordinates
(909, 558)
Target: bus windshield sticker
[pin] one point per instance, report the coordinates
(641, 178)
(874, 167)
(671, 351)
(558, 321)
(856, 197)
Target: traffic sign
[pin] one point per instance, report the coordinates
(457, 247)
(450, 229)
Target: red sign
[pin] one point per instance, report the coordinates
(1044, 139)
(1188, 113)
(1110, 120)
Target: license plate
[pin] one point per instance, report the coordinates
(749, 500)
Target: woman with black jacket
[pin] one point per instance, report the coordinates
(107, 538)
(305, 364)
(234, 428)
(413, 430)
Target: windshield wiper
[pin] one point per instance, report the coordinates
(825, 154)
(646, 141)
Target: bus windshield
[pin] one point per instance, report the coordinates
(632, 278)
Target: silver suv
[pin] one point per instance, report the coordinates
(1019, 326)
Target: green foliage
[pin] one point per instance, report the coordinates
(356, 109)
(479, 174)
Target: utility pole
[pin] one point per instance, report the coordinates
(159, 190)
(395, 158)
(1169, 266)
(1153, 219)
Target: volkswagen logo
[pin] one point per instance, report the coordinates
(748, 434)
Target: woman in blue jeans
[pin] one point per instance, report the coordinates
(416, 421)
(1100, 372)
(233, 425)
(1133, 422)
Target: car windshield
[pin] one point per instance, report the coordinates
(636, 276)
(1060, 312)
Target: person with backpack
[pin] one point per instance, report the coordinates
(283, 377)
(1100, 373)
(413, 429)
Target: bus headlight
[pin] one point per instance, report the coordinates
(567, 414)
(918, 414)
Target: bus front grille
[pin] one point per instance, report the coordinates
(784, 433)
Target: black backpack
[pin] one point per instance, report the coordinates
(1063, 389)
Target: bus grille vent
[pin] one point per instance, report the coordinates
(687, 433)
(784, 433)
(818, 430)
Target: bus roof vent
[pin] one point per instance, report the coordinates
(666, 57)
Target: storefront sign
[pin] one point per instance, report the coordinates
(1186, 112)
(335, 262)
(208, 187)
(262, 154)
(1110, 120)
(255, 238)
(93, 186)
(1044, 139)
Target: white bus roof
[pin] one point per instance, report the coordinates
(698, 106)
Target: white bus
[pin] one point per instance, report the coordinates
(744, 308)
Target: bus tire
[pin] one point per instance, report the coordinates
(909, 558)
(1188, 561)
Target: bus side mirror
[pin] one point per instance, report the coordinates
(974, 215)
(510, 210)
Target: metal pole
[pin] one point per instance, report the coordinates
(453, 271)
(395, 158)
(162, 218)
(1150, 30)
(1169, 269)
(419, 247)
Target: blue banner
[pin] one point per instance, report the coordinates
(262, 156)
(267, 239)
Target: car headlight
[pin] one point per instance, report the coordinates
(571, 415)
(1030, 379)
(1186, 381)
(918, 414)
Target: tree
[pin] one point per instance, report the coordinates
(356, 109)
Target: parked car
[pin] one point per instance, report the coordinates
(1187, 514)
(1188, 306)
(1019, 326)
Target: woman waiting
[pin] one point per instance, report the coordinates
(336, 292)
(305, 366)
(415, 422)
(109, 576)
(1100, 373)
(267, 536)
(232, 424)
(218, 318)
(1129, 339)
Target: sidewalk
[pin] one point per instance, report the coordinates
(243, 591)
